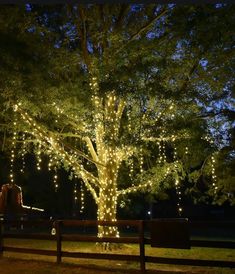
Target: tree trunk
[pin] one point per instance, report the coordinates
(107, 201)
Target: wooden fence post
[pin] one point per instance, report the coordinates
(58, 241)
(1, 239)
(142, 248)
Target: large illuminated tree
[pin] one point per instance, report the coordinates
(111, 88)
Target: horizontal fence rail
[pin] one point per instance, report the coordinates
(141, 237)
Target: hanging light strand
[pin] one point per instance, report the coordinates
(214, 177)
(159, 152)
(141, 160)
(82, 198)
(23, 153)
(75, 193)
(13, 154)
(179, 196)
(177, 182)
(131, 166)
(55, 176)
(39, 160)
(55, 179)
(42, 135)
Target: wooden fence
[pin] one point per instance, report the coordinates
(140, 237)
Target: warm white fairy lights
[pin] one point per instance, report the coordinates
(106, 156)
(23, 153)
(177, 183)
(179, 196)
(164, 152)
(50, 162)
(82, 199)
(208, 139)
(214, 177)
(131, 168)
(135, 188)
(141, 160)
(12, 159)
(54, 145)
(55, 180)
(52, 166)
(38, 156)
(161, 149)
(129, 121)
(75, 193)
(212, 161)
(159, 159)
(55, 176)
(107, 199)
(175, 157)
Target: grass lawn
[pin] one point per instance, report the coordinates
(37, 264)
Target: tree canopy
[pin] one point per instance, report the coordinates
(125, 97)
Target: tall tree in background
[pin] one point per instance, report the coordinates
(108, 89)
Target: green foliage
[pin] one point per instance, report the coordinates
(172, 66)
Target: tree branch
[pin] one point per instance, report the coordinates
(68, 134)
(80, 153)
(142, 30)
(166, 139)
(121, 107)
(188, 77)
(123, 10)
(48, 139)
(204, 164)
(213, 114)
(134, 188)
(91, 189)
(91, 149)
(83, 35)
(193, 68)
